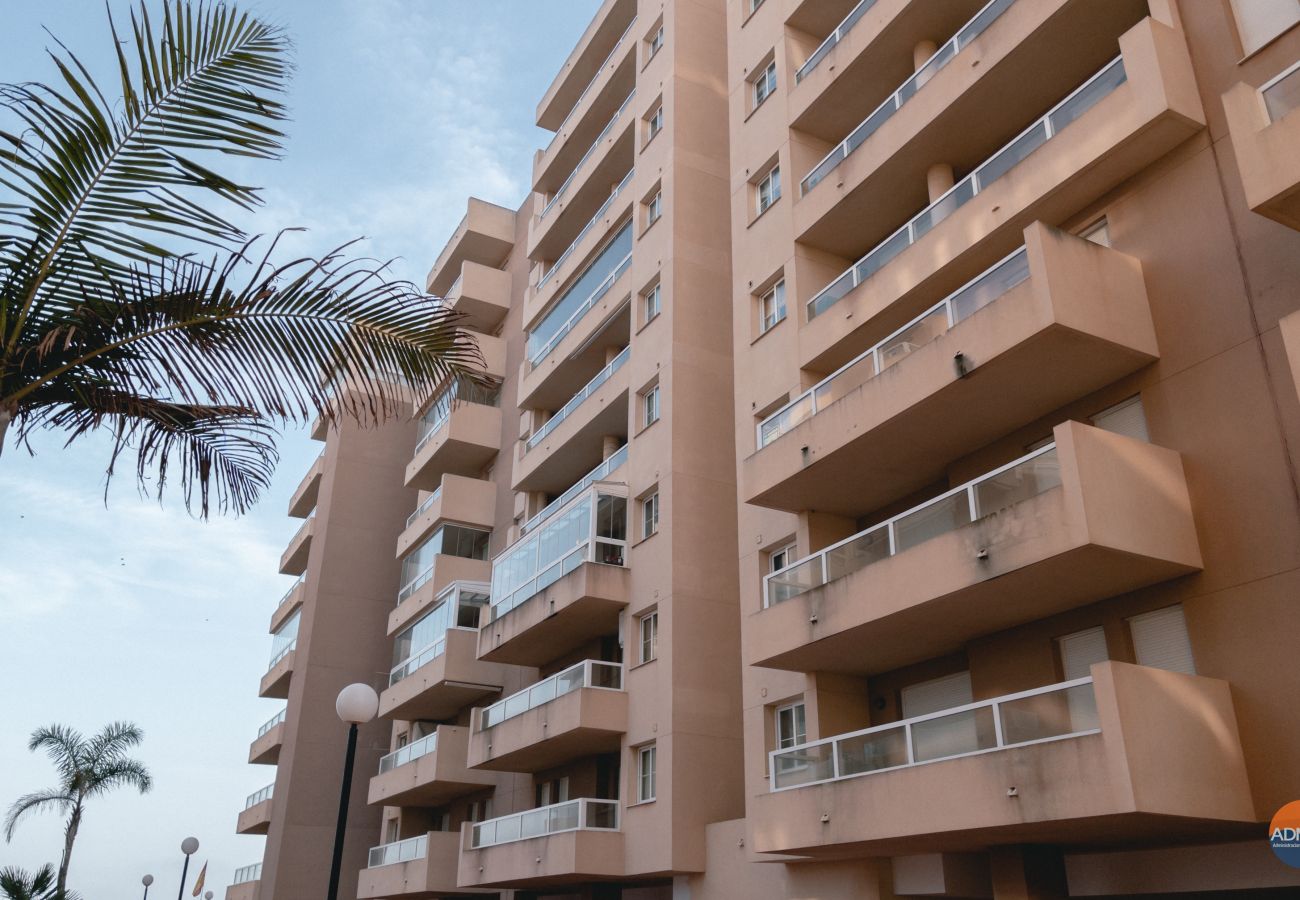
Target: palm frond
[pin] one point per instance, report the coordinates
(112, 742)
(120, 773)
(63, 745)
(37, 801)
(16, 884)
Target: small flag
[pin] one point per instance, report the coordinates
(198, 884)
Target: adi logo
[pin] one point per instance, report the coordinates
(1284, 834)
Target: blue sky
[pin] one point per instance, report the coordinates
(129, 610)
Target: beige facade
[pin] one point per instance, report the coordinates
(887, 486)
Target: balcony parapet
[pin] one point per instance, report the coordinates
(1265, 128)
(565, 843)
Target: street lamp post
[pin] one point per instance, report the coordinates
(357, 704)
(146, 881)
(189, 847)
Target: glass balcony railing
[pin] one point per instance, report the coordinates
(590, 528)
(297, 582)
(1050, 713)
(589, 673)
(585, 814)
(461, 390)
(1023, 479)
(938, 319)
(591, 223)
(586, 290)
(1080, 100)
(846, 24)
(577, 399)
(1282, 94)
(398, 852)
(599, 71)
(272, 722)
(457, 606)
(882, 113)
(260, 796)
(601, 472)
(448, 540)
(281, 654)
(586, 156)
(411, 752)
(245, 874)
(424, 506)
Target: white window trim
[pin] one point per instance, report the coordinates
(650, 403)
(651, 304)
(764, 325)
(769, 185)
(650, 502)
(764, 85)
(650, 751)
(650, 619)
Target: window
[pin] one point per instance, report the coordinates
(444, 822)
(1126, 417)
(1098, 232)
(654, 43)
(947, 735)
(771, 307)
(650, 515)
(754, 5)
(648, 627)
(1160, 640)
(764, 84)
(654, 123)
(650, 407)
(654, 208)
(768, 190)
(554, 791)
(791, 729)
(1259, 21)
(650, 303)
(1080, 650)
(391, 831)
(480, 810)
(645, 774)
(779, 559)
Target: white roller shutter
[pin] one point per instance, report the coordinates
(1080, 650)
(1160, 640)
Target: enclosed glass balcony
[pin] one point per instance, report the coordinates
(457, 606)
(448, 540)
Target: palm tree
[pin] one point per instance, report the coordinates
(88, 768)
(129, 301)
(16, 884)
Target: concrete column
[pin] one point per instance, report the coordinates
(922, 52)
(1027, 873)
(610, 353)
(939, 179)
(818, 530)
(610, 445)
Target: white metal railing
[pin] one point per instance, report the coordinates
(590, 150)
(272, 722)
(882, 113)
(1022, 479)
(590, 673)
(1052, 713)
(424, 506)
(297, 582)
(411, 752)
(1079, 101)
(260, 796)
(1282, 93)
(583, 814)
(398, 852)
(600, 473)
(245, 874)
(283, 652)
(591, 223)
(600, 290)
(968, 299)
(833, 38)
(577, 399)
(600, 70)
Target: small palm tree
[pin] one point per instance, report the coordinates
(16, 884)
(130, 302)
(88, 768)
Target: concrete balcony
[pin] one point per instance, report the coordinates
(275, 683)
(304, 497)
(468, 501)
(581, 606)
(574, 713)
(245, 890)
(999, 70)
(445, 684)
(256, 817)
(423, 869)
(445, 570)
(1265, 129)
(560, 451)
(866, 434)
(466, 441)
(265, 749)
(429, 775)
(566, 843)
(1095, 515)
(482, 295)
(294, 559)
(292, 600)
(607, 37)
(486, 236)
(1128, 753)
(866, 53)
(1127, 116)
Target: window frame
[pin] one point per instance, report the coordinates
(763, 85)
(650, 406)
(774, 293)
(654, 208)
(654, 123)
(651, 303)
(655, 42)
(646, 774)
(650, 620)
(649, 514)
(767, 190)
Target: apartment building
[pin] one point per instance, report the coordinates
(886, 486)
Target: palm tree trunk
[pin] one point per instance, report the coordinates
(5, 419)
(69, 836)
